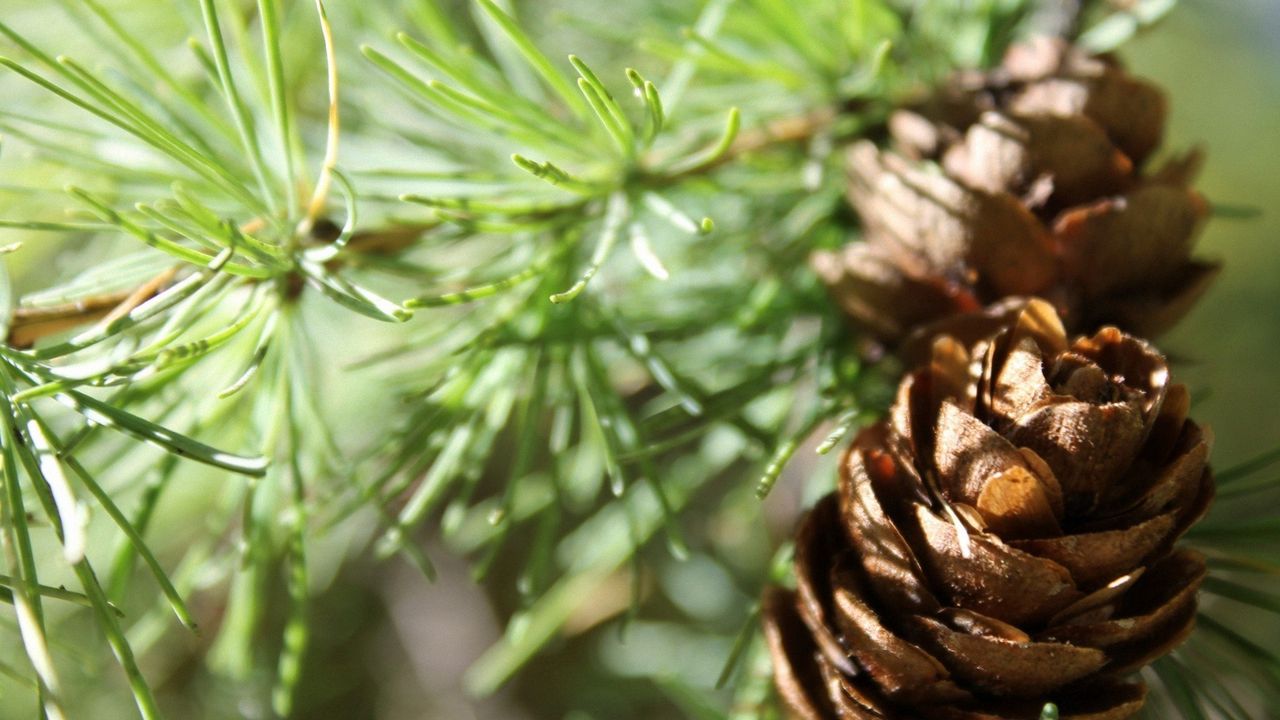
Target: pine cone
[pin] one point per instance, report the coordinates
(1039, 192)
(1004, 539)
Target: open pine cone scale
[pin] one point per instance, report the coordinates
(1025, 180)
(1004, 539)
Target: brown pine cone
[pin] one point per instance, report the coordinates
(1024, 181)
(1003, 540)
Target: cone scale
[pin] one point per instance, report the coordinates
(1028, 180)
(1006, 538)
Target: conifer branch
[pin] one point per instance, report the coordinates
(579, 416)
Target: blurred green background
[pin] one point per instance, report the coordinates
(392, 646)
(1219, 62)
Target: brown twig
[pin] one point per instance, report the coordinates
(29, 325)
(781, 132)
(144, 292)
(784, 131)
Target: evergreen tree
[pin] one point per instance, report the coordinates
(297, 290)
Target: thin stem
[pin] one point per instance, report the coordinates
(325, 182)
(235, 103)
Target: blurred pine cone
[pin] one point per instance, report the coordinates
(1003, 540)
(1025, 180)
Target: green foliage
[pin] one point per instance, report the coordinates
(385, 297)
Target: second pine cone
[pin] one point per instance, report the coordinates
(1025, 180)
